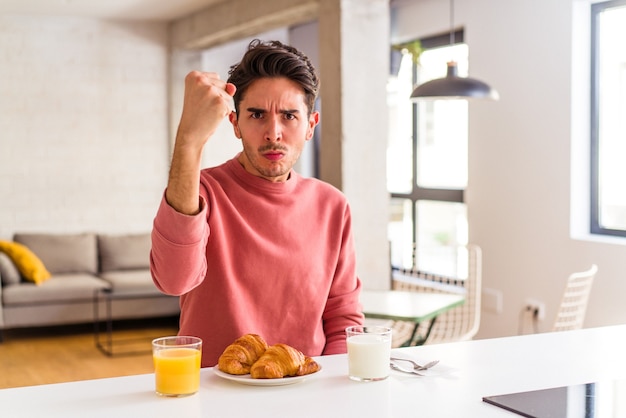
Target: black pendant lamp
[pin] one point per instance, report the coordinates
(452, 86)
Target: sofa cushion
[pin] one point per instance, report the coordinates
(28, 264)
(130, 281)
(64, 253)
(124, 252)
(8, 271)
(60, 288)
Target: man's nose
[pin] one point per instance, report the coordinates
(273, 131)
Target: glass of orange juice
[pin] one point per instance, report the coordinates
(177, 365)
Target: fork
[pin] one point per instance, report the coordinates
(415, 365)
(394, 366)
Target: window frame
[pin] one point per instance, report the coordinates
(595, 226)
(418, 193)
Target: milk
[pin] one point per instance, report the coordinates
(368, 356)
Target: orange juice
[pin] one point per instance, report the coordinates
(177, 371)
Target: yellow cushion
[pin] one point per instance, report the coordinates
(28, 264)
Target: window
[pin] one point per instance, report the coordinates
(426, 159)
(608, 118)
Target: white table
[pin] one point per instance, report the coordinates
(408, 306)
(454, 388)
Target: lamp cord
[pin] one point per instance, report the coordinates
(452, 22)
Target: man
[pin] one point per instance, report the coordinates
(250, 245)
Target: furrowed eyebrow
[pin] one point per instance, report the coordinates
(259, 110)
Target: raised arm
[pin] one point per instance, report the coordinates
(177, 257)
(207, 102)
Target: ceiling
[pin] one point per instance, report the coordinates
(154, 10)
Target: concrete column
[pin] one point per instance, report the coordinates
(354, 65)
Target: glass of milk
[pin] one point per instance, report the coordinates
(369, 352)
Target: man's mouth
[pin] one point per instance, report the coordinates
(273, 156)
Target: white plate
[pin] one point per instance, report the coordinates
(247, 380)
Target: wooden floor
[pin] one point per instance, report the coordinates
(61, 354)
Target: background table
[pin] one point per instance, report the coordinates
(107, 296)
(408, 306)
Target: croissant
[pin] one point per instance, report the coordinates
(238, 357)
(281, 360)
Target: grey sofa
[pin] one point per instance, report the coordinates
(80, 265)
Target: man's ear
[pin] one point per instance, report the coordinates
(314, 119)
(232, 117)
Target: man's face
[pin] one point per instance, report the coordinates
(273, 126)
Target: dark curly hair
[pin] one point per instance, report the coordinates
(274, 59)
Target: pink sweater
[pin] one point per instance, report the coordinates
(275, 259)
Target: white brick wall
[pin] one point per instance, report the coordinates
(83, 124)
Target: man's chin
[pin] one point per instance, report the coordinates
(273, 172)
